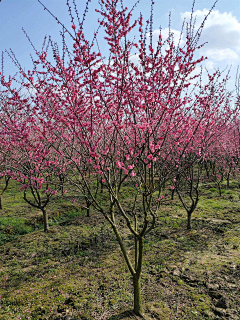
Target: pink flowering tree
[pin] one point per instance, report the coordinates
(5, 175)
(206, 139)
(24, 156)
(231, 151)
(5, 151)
(109, 121)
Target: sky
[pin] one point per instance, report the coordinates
(221, 31)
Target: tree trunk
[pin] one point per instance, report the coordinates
(189, 221)
(219, 190)
(45, 220)
(88, 204)
(228, 178)
(138, 308)
(1, 202)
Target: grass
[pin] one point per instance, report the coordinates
(77, 269)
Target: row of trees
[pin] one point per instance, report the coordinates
(98, 125)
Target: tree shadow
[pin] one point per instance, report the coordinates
(126, 315)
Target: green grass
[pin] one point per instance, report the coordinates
(77, 268)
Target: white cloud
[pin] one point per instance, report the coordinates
(222, 54)
(221, 30)
(222, 34)
(165, 34)
(210, 65)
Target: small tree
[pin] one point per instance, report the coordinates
(29, 161)
(121, 121)
(6, 182)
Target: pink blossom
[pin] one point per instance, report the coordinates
(172, 187)
(132, 174)
(118, 164)
(73, 27)
(150, 156)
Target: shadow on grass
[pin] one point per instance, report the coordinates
(128, 314)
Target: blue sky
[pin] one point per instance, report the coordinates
(222, 29)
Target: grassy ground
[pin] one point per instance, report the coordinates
(76, 271)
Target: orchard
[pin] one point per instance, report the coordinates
(97, 130)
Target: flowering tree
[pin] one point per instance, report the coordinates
(4, 172)
(25, 158)
(208, 143)
(230, 148)
(113, 122)
(6, 182)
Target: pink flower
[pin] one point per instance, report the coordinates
(103, 180)
(149, 165)
(172, 187)
(64, 191)
(74, 27)
(54, 192)
(162, 197)
(150, 156)
(118, 164)
(132, 174)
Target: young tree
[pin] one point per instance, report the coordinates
(205, 142)
(113, 121)
(4, 172)
(26, 158)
